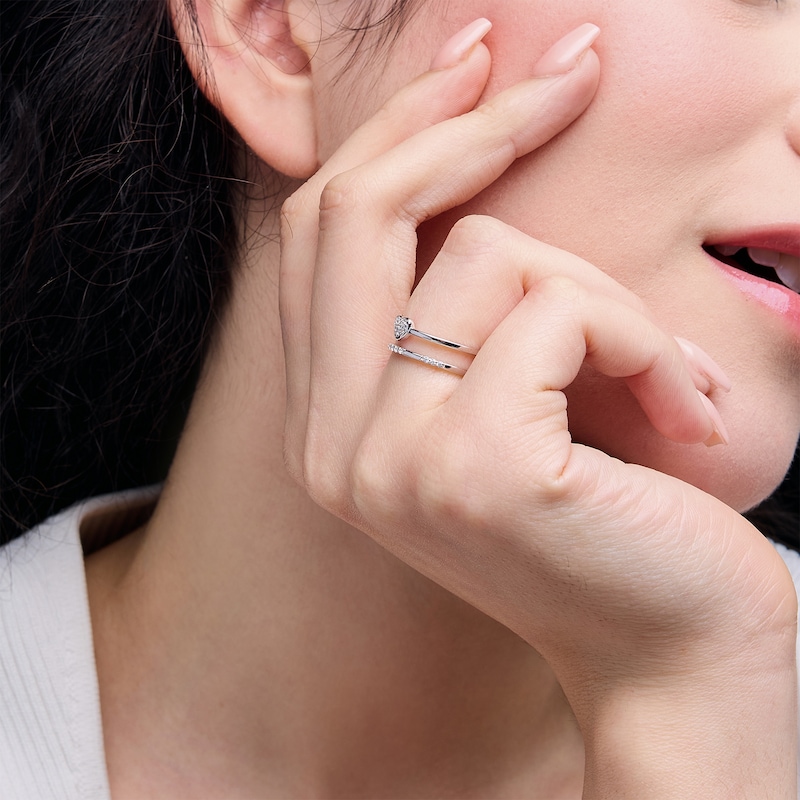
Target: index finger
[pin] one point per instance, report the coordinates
(436, 95)
(366, 260)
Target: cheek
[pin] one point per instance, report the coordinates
(623, 188)
(679, 103)
(671, 111)
(351, 85)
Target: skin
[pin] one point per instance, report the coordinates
(302, 658)
(719, 109)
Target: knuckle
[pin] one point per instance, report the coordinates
(322, 475)
(561, 289)
(344, 193)
(293, 210)
(500, 121)
(323, 486)
(449, 484)
(460, 485)
(414, 483)
(561, 284)
(475, 235)
(293, 205)
(555, 483)
(493, 114)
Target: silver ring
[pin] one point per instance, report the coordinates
(403, 326)
(431, 362)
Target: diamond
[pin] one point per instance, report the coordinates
(402, 326)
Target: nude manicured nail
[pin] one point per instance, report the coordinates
(704, 364)
(720, 434)
(565, 54)
(458, 47)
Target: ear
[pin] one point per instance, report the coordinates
(252, 62)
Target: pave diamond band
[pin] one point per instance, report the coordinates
(432, 362)
(403, 326)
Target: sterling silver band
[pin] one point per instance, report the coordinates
(432, 362)
(403, 326)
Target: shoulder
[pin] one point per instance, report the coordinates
(51, 742)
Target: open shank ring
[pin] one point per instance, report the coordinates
(403, 326)
(431, 362)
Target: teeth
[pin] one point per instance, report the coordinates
(788, 271)
(786, 267)
(767, 258)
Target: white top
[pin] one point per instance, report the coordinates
(51, 738)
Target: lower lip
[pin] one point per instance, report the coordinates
(777, 298)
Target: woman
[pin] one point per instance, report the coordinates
(527, 616)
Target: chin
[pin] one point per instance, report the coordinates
(741, 474)
(737, 479)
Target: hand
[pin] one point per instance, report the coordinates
(631, 583)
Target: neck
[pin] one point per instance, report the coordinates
(245, 632)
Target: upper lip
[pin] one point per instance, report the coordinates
(784, 239)
(770, 247)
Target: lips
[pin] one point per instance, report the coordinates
(764, 265)
(772, 255)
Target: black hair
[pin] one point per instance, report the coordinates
(779, 516)
(117, 213)
(117, 192)
(118, 196)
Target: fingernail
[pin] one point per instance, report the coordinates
(704, 364)
(458, 47)
(720, 434)
(565, 54)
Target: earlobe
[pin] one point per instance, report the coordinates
(253, 64)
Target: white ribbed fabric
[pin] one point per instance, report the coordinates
(51, 743)
(51, 739)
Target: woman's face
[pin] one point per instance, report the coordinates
(693, 139)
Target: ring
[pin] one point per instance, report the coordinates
(403, 326)
(432, 362)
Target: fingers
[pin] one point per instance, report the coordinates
(705, 371)
(506, 419)
(482, 274)
(437, 95)
(376, 209)
(367, 246)
(538, 349)
(365, 251)
(483, 270)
